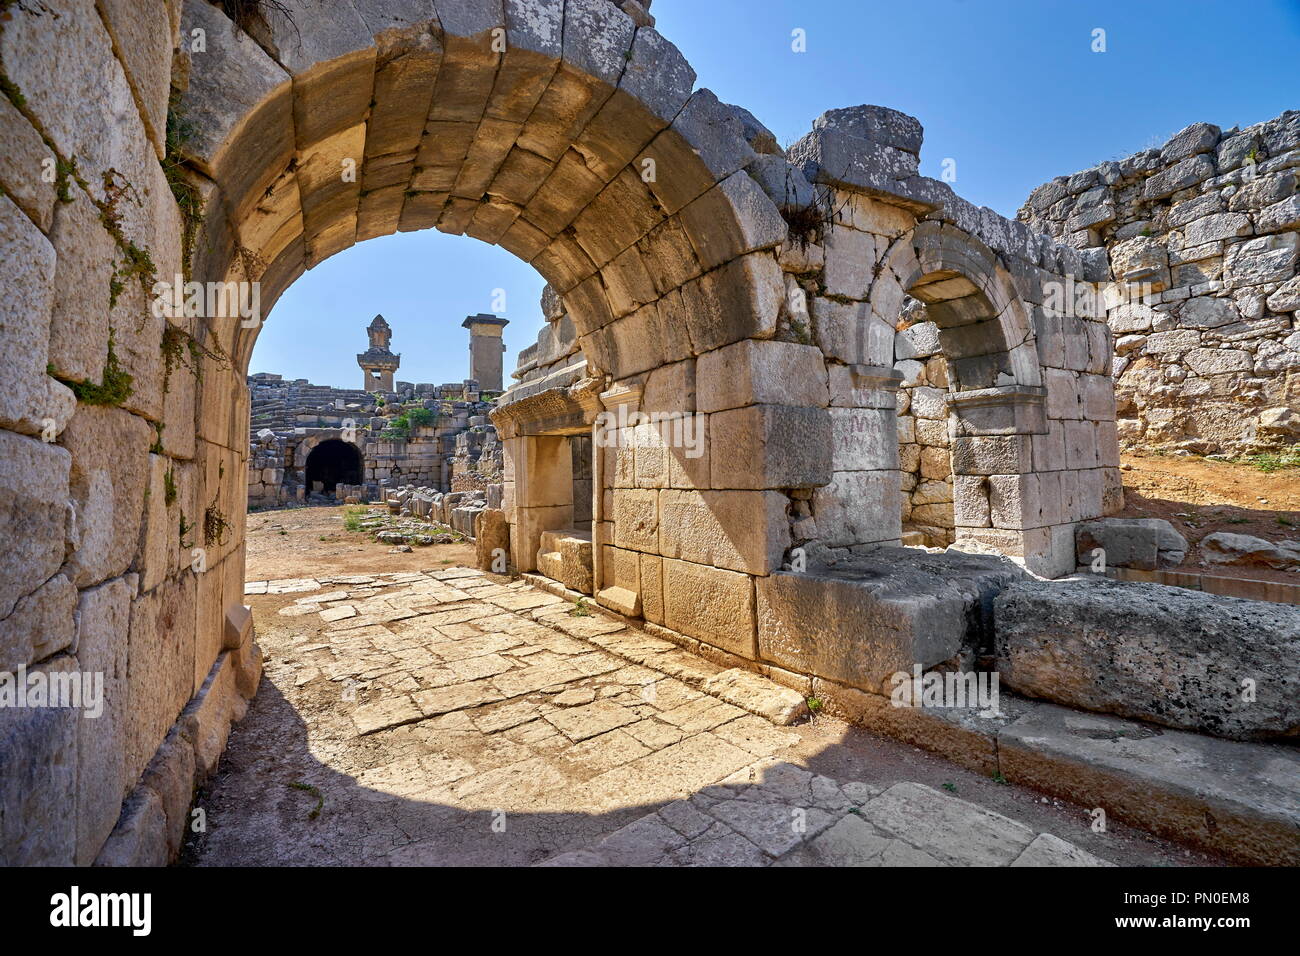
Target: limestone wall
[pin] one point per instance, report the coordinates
(1207, 228)
(122, 493)
(288, 421)
(796, 409)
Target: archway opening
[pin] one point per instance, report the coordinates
(331, 463)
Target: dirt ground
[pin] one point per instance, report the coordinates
(1199, 496)
(301, 542)
(297, 730)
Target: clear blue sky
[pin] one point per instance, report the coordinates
(1009, 90)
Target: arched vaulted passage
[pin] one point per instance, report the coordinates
(569, 133)
(561, 130)
(332, 462)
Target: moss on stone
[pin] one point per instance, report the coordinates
(115, 384)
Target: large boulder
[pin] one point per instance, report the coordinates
(1146, 543)
(1224, 547)
(1172, 656)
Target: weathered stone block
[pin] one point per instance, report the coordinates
(733, 218)
(858, 507)
(108, 493)
(103, 619)
(41, 624)
(38, 780)
(34, 511)
(877, 614)
(160, 667)
(636, 519)
(755, 372)
(770, 446)
(140, 837)
(27, 274)
(1168, 655)
(848, 331)
(740, 300)
(863, 439)
(1144, 543)
(711, 604)
(740, 530)
(24, 157)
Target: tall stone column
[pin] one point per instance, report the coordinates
(486, 349)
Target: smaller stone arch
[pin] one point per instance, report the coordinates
(996, 399)
(332, 462)
(984, 327)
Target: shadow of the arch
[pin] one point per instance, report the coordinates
(278, 798)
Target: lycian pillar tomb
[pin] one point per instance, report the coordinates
(377, 362)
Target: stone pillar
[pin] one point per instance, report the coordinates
(485, 349)
(378, 362)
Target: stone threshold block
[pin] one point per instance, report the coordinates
(1234, 798)
(877, 613)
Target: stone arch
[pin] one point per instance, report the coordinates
(561, 131)
(580, 146)
(995, 397)
(983, 325)
(333, 461)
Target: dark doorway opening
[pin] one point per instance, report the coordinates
(331, 463)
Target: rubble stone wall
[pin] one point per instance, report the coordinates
(1204, 233)
(924, 449)
(289, 419)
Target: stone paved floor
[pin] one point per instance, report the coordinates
(453, 717)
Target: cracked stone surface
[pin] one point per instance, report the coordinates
(455, 717)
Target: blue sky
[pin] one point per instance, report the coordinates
(1011, 91)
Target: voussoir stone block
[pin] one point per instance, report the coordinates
(757, 372)
(739, 300)
(731, 219)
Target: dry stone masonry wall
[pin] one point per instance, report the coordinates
(1205, 233)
